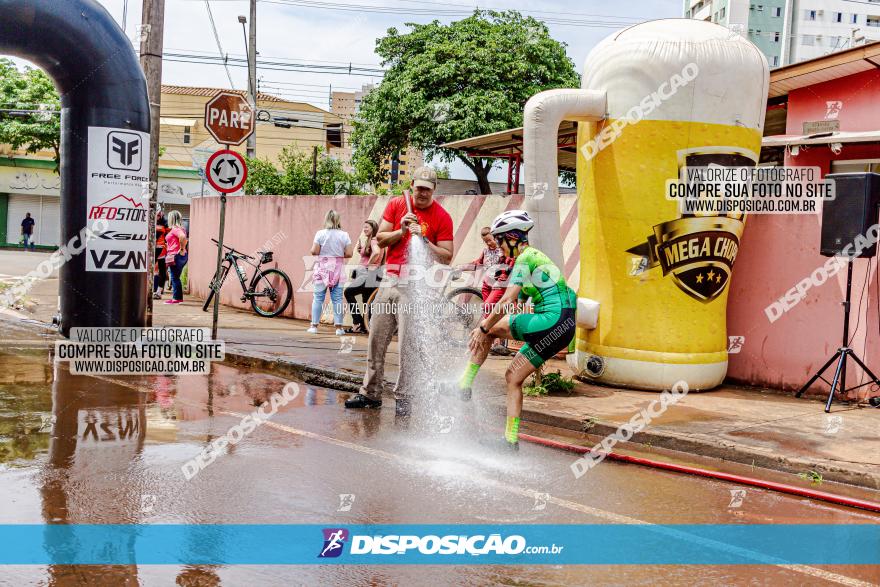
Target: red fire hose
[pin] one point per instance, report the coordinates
(771, 485)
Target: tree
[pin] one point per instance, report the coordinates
(295, 175)
(449, 82)
(29, 115)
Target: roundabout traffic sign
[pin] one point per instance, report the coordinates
(226, 171)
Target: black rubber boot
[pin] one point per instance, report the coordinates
(360, 401)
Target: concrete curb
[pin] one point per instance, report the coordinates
(705, 447)
(685, 443)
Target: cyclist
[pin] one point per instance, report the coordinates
(545, 332)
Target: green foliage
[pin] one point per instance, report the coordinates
(29, 89)
(551, 383)
(295, 175)
(447, 82)
(814, 477)
(396, 190)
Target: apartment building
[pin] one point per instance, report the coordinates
(790, 31)
(400, 166)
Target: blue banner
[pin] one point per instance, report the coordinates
(526, 544)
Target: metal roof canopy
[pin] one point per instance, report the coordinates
(508, 144)
(823, 69)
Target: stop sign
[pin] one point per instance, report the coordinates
(229, 118)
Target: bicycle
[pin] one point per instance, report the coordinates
(276, 290)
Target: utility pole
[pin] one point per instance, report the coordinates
(152, 40)
(315, 169)
(252, 75)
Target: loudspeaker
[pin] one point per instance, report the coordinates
(851, 213)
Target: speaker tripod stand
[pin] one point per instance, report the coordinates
(841, 356)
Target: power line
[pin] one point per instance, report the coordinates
(468, 9)
(217, 38)
(273, 65)
(283, 83)
(618, 22)
(308, 61)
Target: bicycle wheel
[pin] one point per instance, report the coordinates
(368, 309)
(464, 315)
(272, 293)
(214, 287)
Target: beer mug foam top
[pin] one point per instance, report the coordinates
(680, 93)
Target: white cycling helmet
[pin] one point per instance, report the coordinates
(512, 220)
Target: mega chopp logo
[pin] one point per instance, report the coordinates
(124, 151)
(698, 252)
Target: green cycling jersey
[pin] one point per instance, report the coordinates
(542, 281)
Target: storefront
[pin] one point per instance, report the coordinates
(32, 186)
(821, 113)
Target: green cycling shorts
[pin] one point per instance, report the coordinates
(544, 333)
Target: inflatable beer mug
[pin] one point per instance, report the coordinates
(678, 94)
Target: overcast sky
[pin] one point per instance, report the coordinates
(336, 32)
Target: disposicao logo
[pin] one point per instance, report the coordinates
(334, 540)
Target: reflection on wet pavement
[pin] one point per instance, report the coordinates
(84, 449)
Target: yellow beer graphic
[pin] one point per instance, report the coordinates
(661, 277)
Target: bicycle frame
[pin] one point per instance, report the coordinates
(231, 259)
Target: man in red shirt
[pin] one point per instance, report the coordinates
(431, 222)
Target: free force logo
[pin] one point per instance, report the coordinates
(334, 540)
(124, 151)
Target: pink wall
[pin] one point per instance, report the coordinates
(858, 93)
(779, 251)
(251, 221)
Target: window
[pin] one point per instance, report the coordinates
(811, 14)
(334, 135)
(809, 40)
(872, 20)
(775, 37)
(775, 60)
(186, 135)
(760, 8)
(751, 6)
(854, 19)
(777, 11)
(838, 17)
(723, 11)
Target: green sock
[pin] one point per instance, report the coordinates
(467, 378)
(511, 432)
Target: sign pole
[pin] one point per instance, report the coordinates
(219, 265)
(229, 118)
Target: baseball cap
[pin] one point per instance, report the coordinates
(425, 177)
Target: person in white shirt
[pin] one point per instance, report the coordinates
(332, 246)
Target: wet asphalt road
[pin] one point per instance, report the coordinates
(84, 449)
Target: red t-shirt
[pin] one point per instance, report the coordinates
(436, 226)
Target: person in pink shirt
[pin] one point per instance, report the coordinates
(333, 246)
(176, 254)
